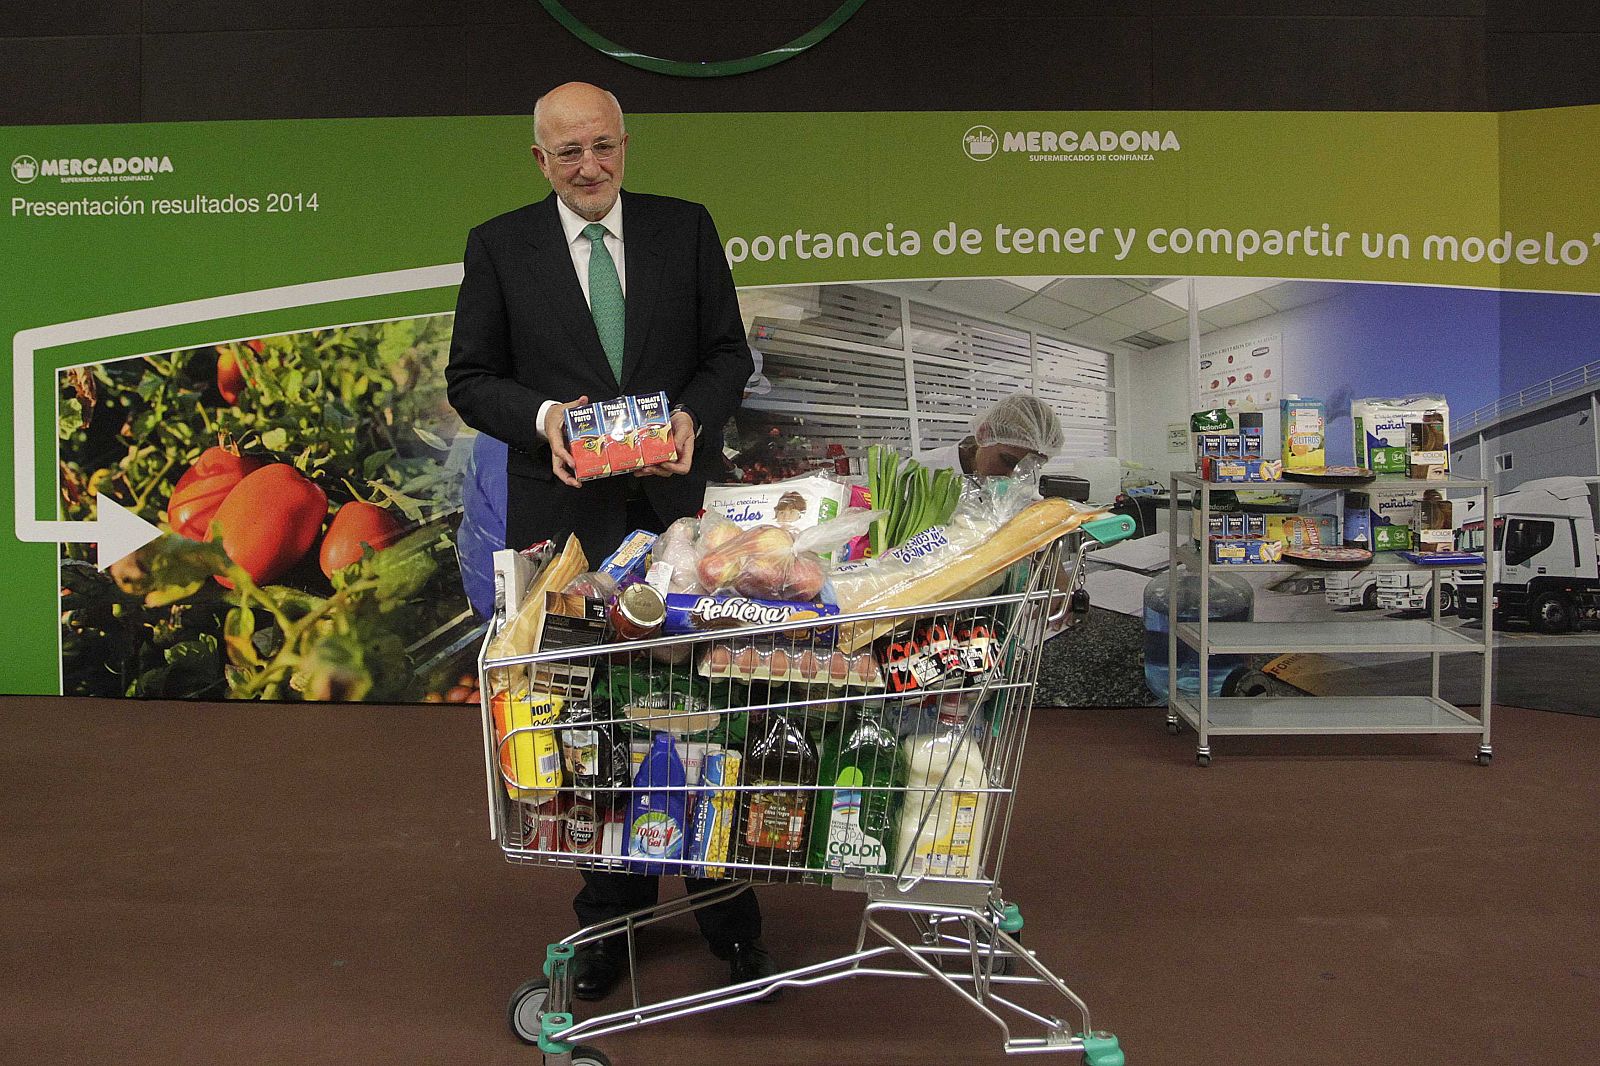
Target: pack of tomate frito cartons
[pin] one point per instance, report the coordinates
(620, 435)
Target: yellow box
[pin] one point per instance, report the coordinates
(530, 758)
(1304, 436)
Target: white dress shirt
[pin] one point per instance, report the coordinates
(572, 224)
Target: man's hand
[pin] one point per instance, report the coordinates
(555, 424)
(683, 437)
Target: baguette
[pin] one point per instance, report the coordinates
(1033, 528)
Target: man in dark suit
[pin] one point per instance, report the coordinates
(588, 294)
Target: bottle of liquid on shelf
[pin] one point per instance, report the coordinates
(773, 829)
(1231, 600)
(853, 822)
(941, 767)
(657, 815)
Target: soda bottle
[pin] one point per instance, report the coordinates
(773, 832)
(854, 820)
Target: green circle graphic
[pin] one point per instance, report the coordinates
(687, 68)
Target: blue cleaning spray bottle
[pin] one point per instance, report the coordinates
(658, 826)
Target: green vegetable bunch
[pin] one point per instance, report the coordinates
(915, 497)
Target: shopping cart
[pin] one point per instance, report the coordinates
(876, 753)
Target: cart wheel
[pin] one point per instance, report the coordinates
(584, 1055)
(1484, 757)
(1174, 728)
(527, 1007)
(1202, 759)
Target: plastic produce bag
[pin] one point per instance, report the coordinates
(987, 506)
(763, 563)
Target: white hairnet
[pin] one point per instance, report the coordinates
(1022, 421)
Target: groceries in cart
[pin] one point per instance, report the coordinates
(695, 705)
(754, 705)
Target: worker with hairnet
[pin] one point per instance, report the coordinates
(1017, 428)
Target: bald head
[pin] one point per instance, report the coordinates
(575, 99)
(581, 146)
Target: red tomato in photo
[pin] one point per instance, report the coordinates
(203, 487)
(355, 524)
(270, 521)
(230, 376)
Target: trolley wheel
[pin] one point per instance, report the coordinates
(584, 1055)
(1174, 728)
(1484, 757)
(527, 1008)
(1202, 759)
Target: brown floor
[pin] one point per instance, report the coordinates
(247, 884)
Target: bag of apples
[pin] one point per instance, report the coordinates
(771, 563)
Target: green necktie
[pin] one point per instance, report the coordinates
(605, 297)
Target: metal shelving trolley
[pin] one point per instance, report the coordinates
(1213, 715)
(875, 753)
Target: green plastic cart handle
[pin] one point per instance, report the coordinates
(1101, 1049)
(556, 957)
(1110, 529)
(551, 1026)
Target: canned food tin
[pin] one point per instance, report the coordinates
(637, 612)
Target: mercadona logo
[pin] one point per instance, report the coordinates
(980, 143)
(24, 169)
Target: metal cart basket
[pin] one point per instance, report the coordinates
(876, 753)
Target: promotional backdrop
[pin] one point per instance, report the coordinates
(177, 292)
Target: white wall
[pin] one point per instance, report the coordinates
(1157, 384)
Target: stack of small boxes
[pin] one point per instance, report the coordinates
(1234, 455)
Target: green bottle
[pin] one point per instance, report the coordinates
(854, 818)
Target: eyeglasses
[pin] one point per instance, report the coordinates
(572, 154)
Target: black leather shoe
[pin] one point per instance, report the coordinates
(747, 962)
(596, 969)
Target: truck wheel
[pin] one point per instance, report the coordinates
(1447, 603)
(1369, 598)
(1551, 613)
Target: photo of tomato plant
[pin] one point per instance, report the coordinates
(308, 493)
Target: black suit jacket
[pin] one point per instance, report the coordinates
(524, 334)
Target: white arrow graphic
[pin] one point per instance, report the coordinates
(117, 531)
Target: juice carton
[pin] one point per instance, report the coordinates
(1304, 443)
(586, 441)
(653, 418)
(621, 436)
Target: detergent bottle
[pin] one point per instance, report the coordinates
(657, 815)
(853, 825)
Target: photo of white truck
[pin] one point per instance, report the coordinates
(1548, 574)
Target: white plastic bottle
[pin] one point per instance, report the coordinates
(950, 842)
